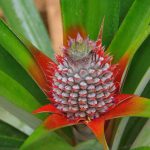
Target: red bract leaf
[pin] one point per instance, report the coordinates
(47, 108)
(38, 76)
(133, 106)
(56, 121)
(97, 126)
(47, 66)
(122, 97)
(122, 64)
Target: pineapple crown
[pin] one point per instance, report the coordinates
(79, 47)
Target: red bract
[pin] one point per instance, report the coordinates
(84, 87)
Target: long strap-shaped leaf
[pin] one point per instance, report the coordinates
(24, 19)
(20, 124)
(143, 137)
(17, 49)
(138, 67)
(130, 35)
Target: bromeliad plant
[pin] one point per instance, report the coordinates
(84, 88)
(85, 84)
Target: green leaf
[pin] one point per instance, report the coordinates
(42, 139)
(7, 130)
(142, 148)
(95, 11)
(125, 5)
(10, 89)
(67, 134)
(18, 118)
(22, 55)
(89, 145)
(138, 67)
(118, 132)
(9, 66)
(143, 137)
(16, 94)
(89, 17)
(133, 31)
(146, 92)
(24, 19)
(10, 138)
(71, 14)
(9, 143)
(132, 128)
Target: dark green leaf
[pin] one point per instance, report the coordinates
(131, 131)
(125, 5)
(139, 65)
(7, 130)
(7, 142)
(143, 138)
(10, 138)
